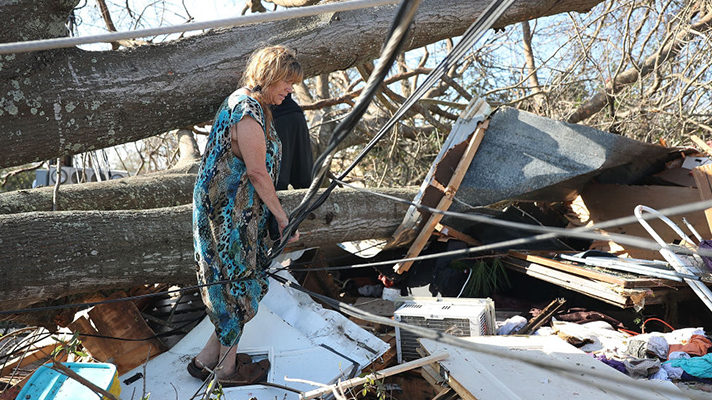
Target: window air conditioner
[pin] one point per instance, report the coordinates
(457, 317)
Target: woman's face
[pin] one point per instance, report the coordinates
(276, 92)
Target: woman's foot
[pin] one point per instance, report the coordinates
(197, 370)
(247, 373)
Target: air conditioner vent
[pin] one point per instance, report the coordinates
(457, 317)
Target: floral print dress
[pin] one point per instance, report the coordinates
(230, 234)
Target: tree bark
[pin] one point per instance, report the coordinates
(68, 101)
(47, 255)
(161, 189)
(168, 188)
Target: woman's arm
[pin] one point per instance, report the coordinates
(248, 144)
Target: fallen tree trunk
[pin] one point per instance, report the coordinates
(69, 101)
(163, 189)
(48, 255)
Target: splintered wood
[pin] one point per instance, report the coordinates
(703, 179)
(118, 332)
(448, 193)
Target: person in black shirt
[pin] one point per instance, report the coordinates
(297, 159)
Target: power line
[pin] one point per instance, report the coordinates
(553, 232)
(58, 43)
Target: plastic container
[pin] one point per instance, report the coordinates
(48, 384)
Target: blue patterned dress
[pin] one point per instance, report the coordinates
(230, 234)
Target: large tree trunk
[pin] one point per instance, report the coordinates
(69, 101)
(47, 255)
(160, 189)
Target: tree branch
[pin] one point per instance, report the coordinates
(665, 53)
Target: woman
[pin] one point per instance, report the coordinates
(233, 198)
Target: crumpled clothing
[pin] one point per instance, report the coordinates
(698, 345)
(706, 244)
(647, 345)
(661, 375)
(674, 373)
(683, 335)
(613, 363)
(642, 368)
(700, 367)
(512, 325)
(678, 354)
(690, 378)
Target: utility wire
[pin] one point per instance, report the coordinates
(58, 43)
(498, 351)
(394, 44)
(485, 20)
(549, 233)
(553, 232)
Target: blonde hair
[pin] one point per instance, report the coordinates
(268, 66)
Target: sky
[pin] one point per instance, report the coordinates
(153, 14)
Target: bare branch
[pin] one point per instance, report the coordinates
(670, 50)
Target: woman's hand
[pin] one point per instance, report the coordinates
(294, 237)
(282, 226)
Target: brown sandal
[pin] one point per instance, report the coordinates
(196, 371)
(247, 373)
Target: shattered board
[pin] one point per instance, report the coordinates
(301, 339)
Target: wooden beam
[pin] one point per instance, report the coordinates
(623, 298)
(447, 232)
(422, 239)
(598, 275)
(703, 179)
(704, 147)
(407, 366)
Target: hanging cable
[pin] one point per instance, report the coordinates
(486, 19)
(391, 50)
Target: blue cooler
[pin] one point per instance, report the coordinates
(48, 384)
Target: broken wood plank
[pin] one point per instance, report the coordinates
(447, 232)
(122, 323)
(431, 190)
(38, 350)
(381, 374)
(444, 204)
(703, 179)
(704, 147)
(98, 347)
(623, 298)
(34, 354)
(596, 274)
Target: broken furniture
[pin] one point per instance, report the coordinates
(625, 290)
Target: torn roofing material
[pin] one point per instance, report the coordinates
(528, 157)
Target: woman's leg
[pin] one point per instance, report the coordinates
(214, 351)
(208, 357)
